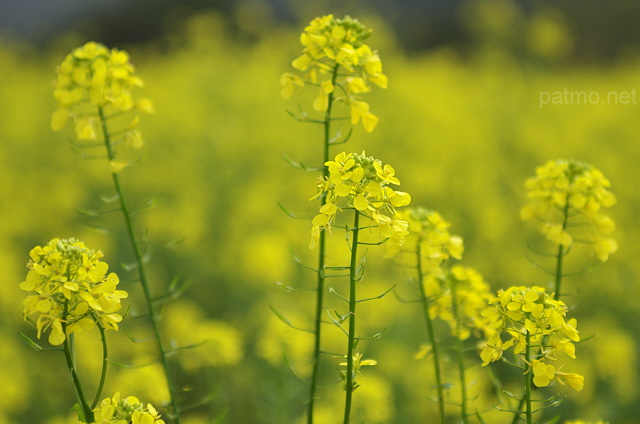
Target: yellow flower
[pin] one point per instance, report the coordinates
(126, 411)
(355, 182)
(386, 174)
(69, 290)
(566, 198)
(336, 48)
(542, 373)
(429, 232)
(94, 78)
(321, 103)
(492, 351)
(290, 84)
(471, 294)
(576, 381)
(523, 313)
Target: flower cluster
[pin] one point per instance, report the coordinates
(94, 78)
(585, 422)
(336, 59)
(464, 289)
(361, 182)
(526, 317)
(69, 290)
(126, 411)
(566, 201)
(429, 232)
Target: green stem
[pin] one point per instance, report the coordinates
(460, 349)
(353, 276)
(321, 264)
(558, 286)
(105, 361)
(528, 379)
(561, 253)
(431, 335)
(164, 360)
(556, 295)
(71, 366)
(516, 417)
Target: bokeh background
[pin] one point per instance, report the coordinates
(462, 122)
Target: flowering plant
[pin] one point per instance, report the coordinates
(70, 290)
(361, 182)
(129, 410)
(336, 60)
(566, 198)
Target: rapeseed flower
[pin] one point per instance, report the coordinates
(361, 182)
(335, 54)
(464, 289)
(70, 290)
(566, 199)
(529, 315)
(96, 83)
(429, 232)
(129, 410)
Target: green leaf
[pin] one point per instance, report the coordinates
(554, 420)
(35, 346)
(80, 413)
(286, 321)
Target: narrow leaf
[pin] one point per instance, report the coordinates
(35, 346)
(287, 322)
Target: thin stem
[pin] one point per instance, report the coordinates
(556, 295)
(528, 378)
(318, 323)
(460, 349)
(516, 417)
(141, 272)
(431, 335)
(561, 254)
(71, 366)
(105, 361)
(353, 278)
(321, 263)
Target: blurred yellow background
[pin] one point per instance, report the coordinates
(463, 132)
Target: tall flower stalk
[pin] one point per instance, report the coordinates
(336, 60)
(536, 331)
(362, 184)
(454, 294)
(566, 198)
(566, 201)
(431, 244)
(94, 89)
(69, 291)
(435, 349)
(463, 296)
(353, 301)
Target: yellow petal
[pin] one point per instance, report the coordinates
(117, 166)
(57, 336)
(360, 203)
(342, 190)
(369, 121)
(59, 119)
